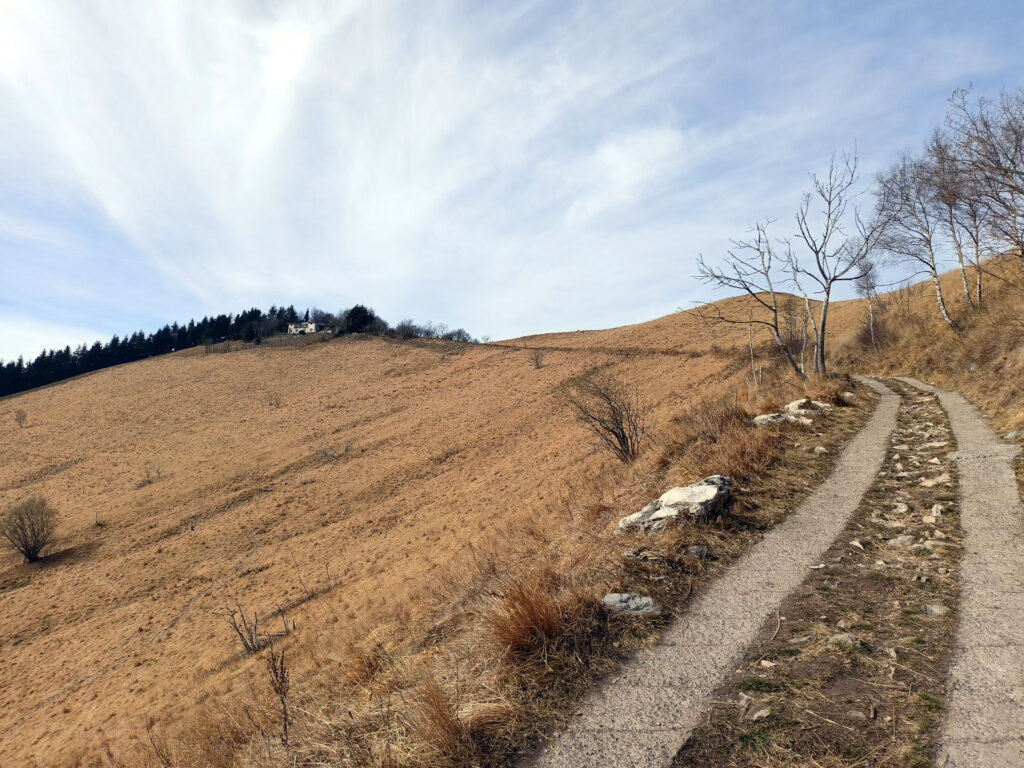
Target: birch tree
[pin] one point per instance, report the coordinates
(912, 233)
(835, 239)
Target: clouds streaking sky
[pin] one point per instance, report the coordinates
(507, 167)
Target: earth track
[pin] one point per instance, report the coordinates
(644, 714)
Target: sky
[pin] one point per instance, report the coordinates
(510, 168)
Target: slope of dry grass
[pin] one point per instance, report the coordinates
(402, 508)
(337, 483)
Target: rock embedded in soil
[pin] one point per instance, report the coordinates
(902, 541)
(630, 602)
(1011, 435)
(935, 610)
(701, 502)
(802, 407)
(844, 638)
(931, 482)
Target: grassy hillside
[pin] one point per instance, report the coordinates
(334, 482)
(391, 504)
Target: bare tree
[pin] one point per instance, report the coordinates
(905, 200)
(20, 417)
(751, 267)
(611, 410)
(959, 199)
(537, 356)
(29, 527)
(990, 139)
(867, 289)
(837, 239)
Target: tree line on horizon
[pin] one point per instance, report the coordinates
(958, 201)
(251, 326)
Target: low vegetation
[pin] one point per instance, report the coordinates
(611, 410)
(29, 527)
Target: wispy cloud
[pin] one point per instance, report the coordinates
(510, 168)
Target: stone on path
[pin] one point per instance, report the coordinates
(902, 541)
(931, 482)
(935, 610)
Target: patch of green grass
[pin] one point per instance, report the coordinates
(756, 740)
(916, 756)
(759, 684)
(929, 702)
(788, 652)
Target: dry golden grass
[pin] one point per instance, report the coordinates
(443, 573)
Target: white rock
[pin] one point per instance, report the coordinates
(935, 610)
(806, 404)
(630, 602)
(702, 501)
(768, 418)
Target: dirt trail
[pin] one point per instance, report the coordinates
(643, 715)
(984, 723)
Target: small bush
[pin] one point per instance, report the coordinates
(21, 417)
(29, 527)
(611, 410)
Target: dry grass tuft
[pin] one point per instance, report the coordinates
(527, 616)
(436, 726)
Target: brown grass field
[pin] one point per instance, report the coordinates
(260, 505)
(339, 483)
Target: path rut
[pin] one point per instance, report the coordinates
(643, 715)
(984, 723)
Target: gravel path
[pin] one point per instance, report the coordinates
(984, 723)
(643, 715)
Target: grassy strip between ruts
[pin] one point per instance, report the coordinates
(516, 641)
(852, 672)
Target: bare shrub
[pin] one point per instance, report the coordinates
(537, 357)
(248, 634)
(273, 399)
(20, 416)
(29, 527)
(327, 452)
(611, 410)
(150, 473)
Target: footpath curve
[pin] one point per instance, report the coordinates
(643, 715)
(984, 724)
